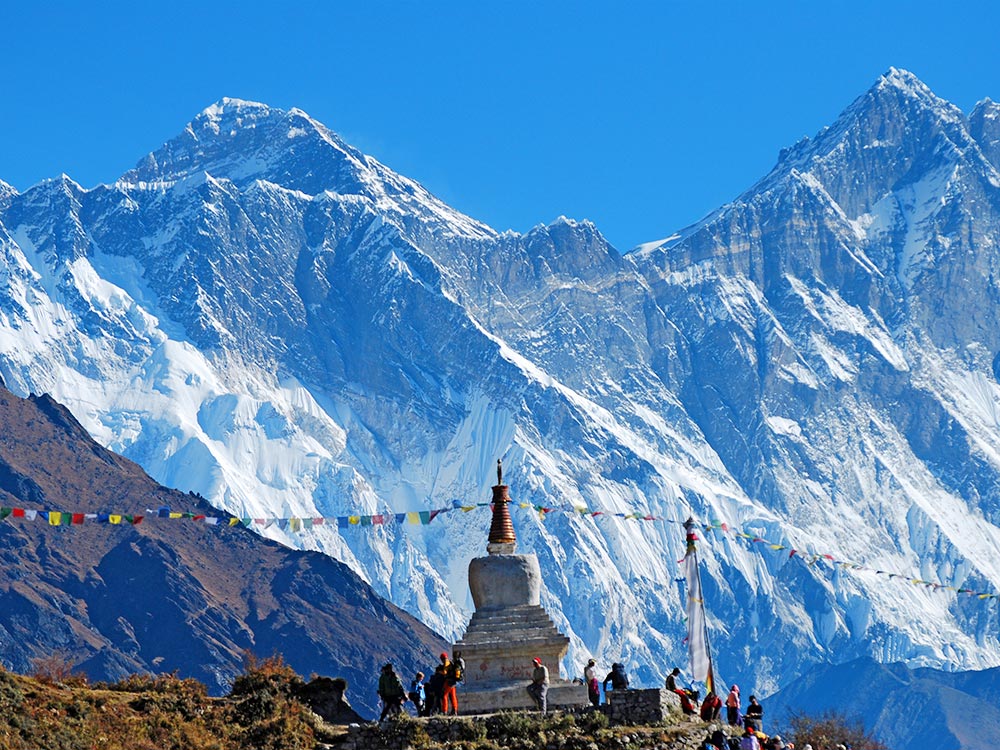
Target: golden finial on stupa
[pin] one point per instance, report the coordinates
(501, 528)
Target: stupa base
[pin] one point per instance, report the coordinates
(487, 700)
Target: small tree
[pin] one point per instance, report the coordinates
(829, 729)
(57, 669)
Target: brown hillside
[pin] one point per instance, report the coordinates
(168, 595)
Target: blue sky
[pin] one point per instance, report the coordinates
(640, 116)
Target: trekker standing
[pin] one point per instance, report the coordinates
(617, 677)
(539, 687)
(418, 694)
(390, 690)
(435, 691)
(444, 666)
(590, 677)
(453, 675)
(733, 706)
(755, 713)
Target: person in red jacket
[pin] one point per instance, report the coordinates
(711, 706)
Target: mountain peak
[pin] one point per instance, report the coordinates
(899, 129)
(243, 141)
(7, 191)
(228, 104)
(900, 92)
(903, 80)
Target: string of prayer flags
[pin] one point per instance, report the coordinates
(424, 517)
(293, 524)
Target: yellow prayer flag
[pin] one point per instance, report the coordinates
(413, 518)
(114, 518)
(354, 520)
(176, 515)
(55, 519)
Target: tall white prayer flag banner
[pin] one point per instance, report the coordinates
(698, 650)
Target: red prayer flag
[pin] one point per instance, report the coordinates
(78, 518)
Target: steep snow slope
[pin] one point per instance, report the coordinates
(260, 313)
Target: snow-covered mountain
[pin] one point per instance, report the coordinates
(259, 313)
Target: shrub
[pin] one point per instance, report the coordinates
(591, 722)
(403, 731)
(270, 674)
(511, 725)
(11, 695)
(830, 729)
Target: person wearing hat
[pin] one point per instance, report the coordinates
(539, 687)
(749, 740)
(390, 690)
(590, 678)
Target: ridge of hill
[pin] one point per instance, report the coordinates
(907, 709)
(168, 595)
(270, 708)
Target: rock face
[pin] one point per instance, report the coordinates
(509, 628)
(263, 315)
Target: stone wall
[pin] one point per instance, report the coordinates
(642, 706)
(529, 732)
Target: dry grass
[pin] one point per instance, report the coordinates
(161, 712)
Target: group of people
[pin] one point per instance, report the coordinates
(439, 694)
(538, 688)
(753, 737)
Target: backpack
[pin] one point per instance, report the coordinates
(749, 742)
(455, 673)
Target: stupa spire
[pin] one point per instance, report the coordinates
(502, 539)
